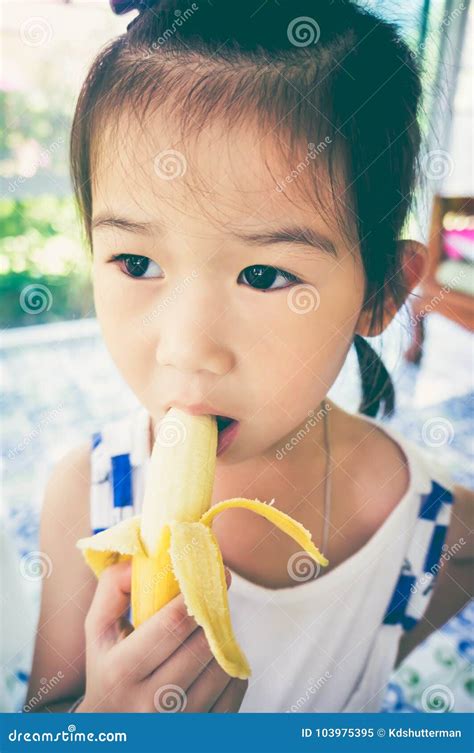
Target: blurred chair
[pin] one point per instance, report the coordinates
(448, 287)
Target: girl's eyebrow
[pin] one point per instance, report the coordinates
(297, 234)
(290, 234)
(121, 223)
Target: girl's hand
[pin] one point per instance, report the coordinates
(163, 665)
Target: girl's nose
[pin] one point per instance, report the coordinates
(192, 352)
(190, 337)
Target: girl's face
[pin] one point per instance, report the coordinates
(224, 292)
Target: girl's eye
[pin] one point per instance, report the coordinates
(262, 277)
(137, 266)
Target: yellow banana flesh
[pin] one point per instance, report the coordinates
(171, 544)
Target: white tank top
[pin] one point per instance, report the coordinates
(329, 643)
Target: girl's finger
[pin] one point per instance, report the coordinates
(186, 664)
(231, 698)
(206, 688)
(154, 641)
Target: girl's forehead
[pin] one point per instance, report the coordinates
(147, 166)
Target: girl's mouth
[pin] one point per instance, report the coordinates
(227, 430)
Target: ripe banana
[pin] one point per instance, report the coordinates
(171, 544)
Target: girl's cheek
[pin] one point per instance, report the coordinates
(120, 325)
(303, 352)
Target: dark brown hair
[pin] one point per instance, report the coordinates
(313, 72)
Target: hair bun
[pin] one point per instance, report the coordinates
(124, 6)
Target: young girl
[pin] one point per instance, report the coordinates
(244, 173)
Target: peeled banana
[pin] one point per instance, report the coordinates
(171, 544)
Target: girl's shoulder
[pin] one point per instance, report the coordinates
(379, 453)
(382, 468)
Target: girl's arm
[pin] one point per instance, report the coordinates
(454, 584)
(58, 671)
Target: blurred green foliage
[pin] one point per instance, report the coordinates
(44, 265)
(41, 245)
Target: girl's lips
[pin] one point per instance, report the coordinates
(227, 436)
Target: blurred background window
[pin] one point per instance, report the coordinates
(43, 65)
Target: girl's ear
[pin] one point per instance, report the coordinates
(413, 256)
